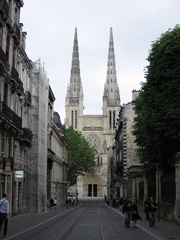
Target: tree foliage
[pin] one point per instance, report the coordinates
(157, 125)
(80, 155)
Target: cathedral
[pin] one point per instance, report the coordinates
(99, 130)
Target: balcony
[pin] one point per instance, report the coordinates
(20, 89)
(16, 32)
(3, 57)
(4, 8)
(15, 77)
(26, 137)
(14, 74)
(28, 98)
(8, 116)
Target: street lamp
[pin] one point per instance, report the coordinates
(157, 168)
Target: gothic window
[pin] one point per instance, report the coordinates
(110, 120)
(76, 119)
(72, 116)
(114, 118)
(111, 90)
(111, 80)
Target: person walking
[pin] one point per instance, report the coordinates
(4, 213)
(55, 203)
(67, 203)
(135, 212)
(127, 210)
(152, 210)
(120, 203)
(146, 208)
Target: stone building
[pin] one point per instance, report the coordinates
(57, 155)
(24, 93)
(98, 129)
(15, 100)
(127, 164)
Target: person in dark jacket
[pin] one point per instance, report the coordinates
(146, 208)
(135, 212)
(152, 210)
(127, 210)
(120, 203)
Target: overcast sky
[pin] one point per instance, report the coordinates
(50, 27)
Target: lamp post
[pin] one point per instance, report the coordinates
(157, 169)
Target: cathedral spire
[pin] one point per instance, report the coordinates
(74, 97)
(75, 86)
(111, 89)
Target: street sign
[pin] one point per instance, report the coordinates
(19, 174)
(116, 184)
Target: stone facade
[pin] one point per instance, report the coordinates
(24, 94)
(98, 129)
(57, 155)
(127, 160)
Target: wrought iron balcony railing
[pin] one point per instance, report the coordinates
(28, 97)
(3, 57)
(15, 76)
(9, 116)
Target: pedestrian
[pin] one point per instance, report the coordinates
(127, 210)
(55, 203)
(135, 212)
(67, 203)
(120, 203)
(152, 210)
(146, 208)
(4, 213)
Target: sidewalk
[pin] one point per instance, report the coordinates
(163, 230)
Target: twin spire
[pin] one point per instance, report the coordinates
(111, 89)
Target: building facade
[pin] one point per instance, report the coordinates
(57, 155)
(24, 94)
(127, 163)
(98, 129)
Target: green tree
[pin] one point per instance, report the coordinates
(80, 156)
(157, 125)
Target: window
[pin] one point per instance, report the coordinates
(114, 119)
(5, 93)
(72, 116)
(110, 120)
(76, 119)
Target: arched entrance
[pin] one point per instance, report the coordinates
(92, 186)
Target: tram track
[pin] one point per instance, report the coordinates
(28, 234)
(66, 235)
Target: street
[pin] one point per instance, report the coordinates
(88, 220)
